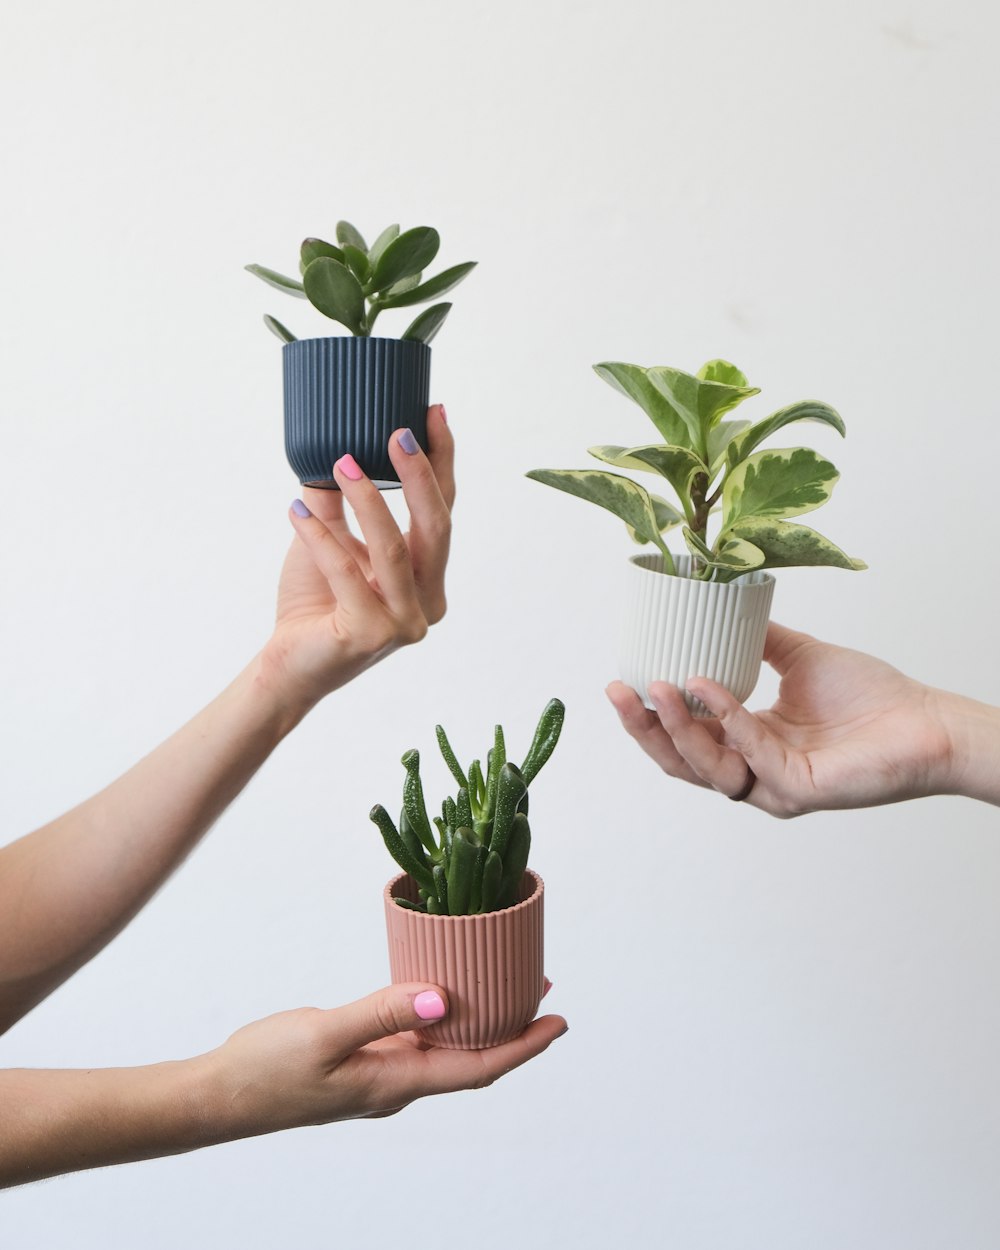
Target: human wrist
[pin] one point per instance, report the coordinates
(972, 731)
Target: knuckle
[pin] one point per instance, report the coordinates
(413, 629)
(435, 608)
(396, 551)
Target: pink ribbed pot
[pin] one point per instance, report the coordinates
(490, 965)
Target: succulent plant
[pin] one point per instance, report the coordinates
(713, 466)
(472, 857)
(352, 283)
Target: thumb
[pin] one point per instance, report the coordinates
(396, 1009)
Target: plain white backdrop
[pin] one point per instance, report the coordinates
(781, 1034)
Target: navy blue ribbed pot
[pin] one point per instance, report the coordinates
(347, 395)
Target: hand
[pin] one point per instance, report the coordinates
(847, 730)
(314, 1067)
(344, 604)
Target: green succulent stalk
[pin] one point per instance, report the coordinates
(716, 471)
(470, 859)
(353, 283)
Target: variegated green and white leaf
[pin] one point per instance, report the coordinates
(733, 555)
(676, 464)
(667, 518)
(722, 371)
(620, 495)
(809, 410)
(700, 404)
(778, 483)
(719, 439)
(631, 380)
(787, 545)
(279, 281)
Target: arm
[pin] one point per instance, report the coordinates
(847, 730)
(68, 888)
(295, 1068)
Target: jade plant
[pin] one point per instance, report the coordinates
(732, 500)
(353, 283)
(472, 857)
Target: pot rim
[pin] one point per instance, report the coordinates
(533, 898)
(762, 575)
(356, 338)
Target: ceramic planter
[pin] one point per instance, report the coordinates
(490, 965)
(677, 627)
(348, 394)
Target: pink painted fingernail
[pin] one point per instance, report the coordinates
(350, 468)
(429, 1005)
(546, 986)
(444, 415)
(299, 508)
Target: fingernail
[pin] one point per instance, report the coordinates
(444, 415)
(429, 1005)
(299, 508)
(563, 1032)
(408, 443)
(350, 468)
(546, 986)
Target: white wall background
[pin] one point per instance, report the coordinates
(797, 1044)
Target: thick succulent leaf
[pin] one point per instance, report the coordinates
(732, 555)
(336, 292)
(700, 404)
(312, 249)
(275, 326)
(719, 439)
(406, 255)
(430, 289)
(357, 262)
(676, 464)
(424, 327)
(349, 235)
(291, 286)
(778, 483)
(809, 410)
(667, 518)
(786, 545)
(620, 495)
(404, 284)
(631, 380)
(381, 243)
(722, 371)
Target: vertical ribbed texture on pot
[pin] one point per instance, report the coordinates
(676, 627)
(490, 965)
(347, 395)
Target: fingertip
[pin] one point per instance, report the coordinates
(299, 509)
(430, 1005)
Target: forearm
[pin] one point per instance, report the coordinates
(68, 888)
(66, 1121)
(973, 730)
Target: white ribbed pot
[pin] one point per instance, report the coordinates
(490, 965)
(678, 627)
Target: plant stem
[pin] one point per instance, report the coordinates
(700, 507)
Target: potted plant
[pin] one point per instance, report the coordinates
(705, 612)
(347, 393)
(466, 911)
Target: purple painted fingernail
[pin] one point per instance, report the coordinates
(408, 443)
(299, 508)
(429, 1005)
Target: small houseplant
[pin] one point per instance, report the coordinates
(705, 612)
(347, 393)
(466, 912)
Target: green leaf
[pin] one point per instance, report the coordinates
(808, 410)
(430, 289)
(631, 380)
(734, 555)
(677, 464)
(406, 255)
(785, 545)
(424, 327)
(620, 495)
(278, 280)
(700, 404)
(667, 518)
(722, 371)
(357, 262)
(719, 439)
(275, 326)
(404, 284)
(336, 292)
(312, 249)
(778, 483)
(347, 235)
(382, 242)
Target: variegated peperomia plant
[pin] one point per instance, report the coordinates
(716, 471)
(352, 283)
